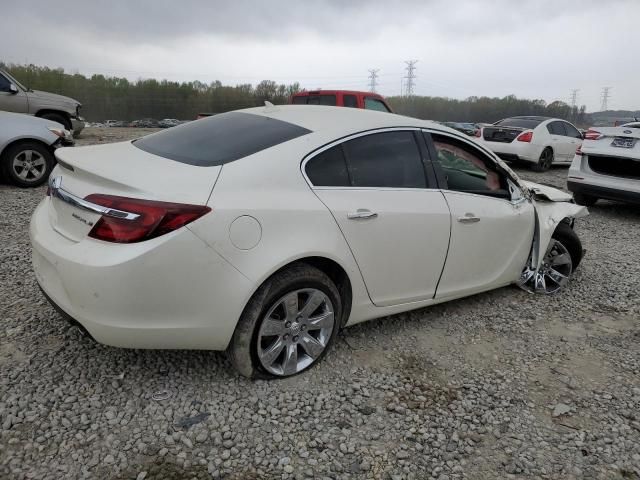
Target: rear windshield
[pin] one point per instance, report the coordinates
(327, 100)
(219, 139)
(519, 122)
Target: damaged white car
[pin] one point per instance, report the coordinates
(264, 231)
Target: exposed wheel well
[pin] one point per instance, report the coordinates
(337, 274)
(64, 115)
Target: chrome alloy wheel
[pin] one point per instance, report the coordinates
(295, 331)
(29, 165)
(553, 274)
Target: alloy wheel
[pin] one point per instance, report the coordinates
(29, 165)
(295, 331)
(553, 274)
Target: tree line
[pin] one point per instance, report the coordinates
(106, 97)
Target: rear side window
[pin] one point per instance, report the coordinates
(388, 159)
(350, 101)
(375, 104)
(219, 139)
(556, 128)
(328, 169)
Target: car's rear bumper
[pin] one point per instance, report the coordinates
(513, 151)
(607, 193)
(169, 292)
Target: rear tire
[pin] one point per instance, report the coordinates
(253, 338)
(59, 118)
(586, 200)
(545, 161)
(27, 164)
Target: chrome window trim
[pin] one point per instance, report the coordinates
(318, 151)
(56, 190)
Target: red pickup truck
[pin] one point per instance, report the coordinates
(342, 98)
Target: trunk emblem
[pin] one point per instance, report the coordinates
(627, 131)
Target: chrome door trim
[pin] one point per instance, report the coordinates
(56, 190)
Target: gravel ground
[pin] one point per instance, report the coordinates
(500, 385)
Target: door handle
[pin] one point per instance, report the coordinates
(469, 218)
(361, 213)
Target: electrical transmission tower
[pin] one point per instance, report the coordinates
(574, 97)
(373, 79)
(605, 99)
(411, 76)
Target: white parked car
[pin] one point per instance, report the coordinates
(539, 141)
(264, 231)
(607, 165)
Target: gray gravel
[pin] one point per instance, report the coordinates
(500, 385)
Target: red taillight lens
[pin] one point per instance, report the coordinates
(525, 136)
(593, 135)
(155, 218)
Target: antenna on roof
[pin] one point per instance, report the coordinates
(269, 107)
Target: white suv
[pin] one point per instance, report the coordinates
(541, 141)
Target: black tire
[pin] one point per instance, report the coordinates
(58, 117)
(586, 200)
(568, 237)
(16, 151)
(545, 161)
(243, 348)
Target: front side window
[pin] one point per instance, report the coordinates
(4, 84)
(572, 131)
(388, 159)
(375, 104)
(350, 101)
(467, 169)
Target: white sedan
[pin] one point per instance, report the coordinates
(265, 231)
(539, 141)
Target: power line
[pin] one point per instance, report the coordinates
(411, 76)
(373, 79)
(574, 97)
(605, 99)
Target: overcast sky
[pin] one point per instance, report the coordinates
(533, 49)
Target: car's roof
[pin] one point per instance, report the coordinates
(319, 118)
(534, 117)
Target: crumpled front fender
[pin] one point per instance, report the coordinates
(548, 215)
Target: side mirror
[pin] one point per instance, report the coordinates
(13, 89)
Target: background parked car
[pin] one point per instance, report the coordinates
(464, 127)
(26, 148)
(342, 98)
(168, 122)
(607, 165)
(15, 97)
(540, 141)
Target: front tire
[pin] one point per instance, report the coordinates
(27, 164)
(288, 325)
(545, 161)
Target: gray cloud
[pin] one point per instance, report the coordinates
(538, 49)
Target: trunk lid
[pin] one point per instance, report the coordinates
(501, 134)
(124, 170)
(622, 142)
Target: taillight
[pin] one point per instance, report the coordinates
(525, 136)
(154, 218)
(593, 135)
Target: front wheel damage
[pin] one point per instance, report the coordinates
(551, 262)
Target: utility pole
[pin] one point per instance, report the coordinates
(574, 97)
(373, 79)
(605, 99)
(411, 76)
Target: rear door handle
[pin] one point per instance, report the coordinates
(469, 218)
(361, 213)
